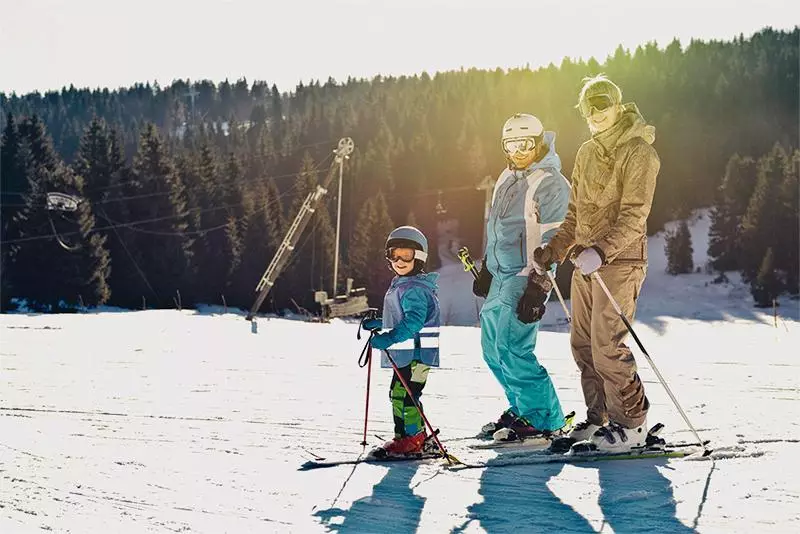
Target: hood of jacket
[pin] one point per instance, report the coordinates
(630, 125)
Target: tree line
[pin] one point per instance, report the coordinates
(189, 189)
(755, 226)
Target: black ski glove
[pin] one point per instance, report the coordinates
(531, 306)
(481, 285)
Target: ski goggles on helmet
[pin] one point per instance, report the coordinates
(519, 144)
(394, 254)
(598, 102)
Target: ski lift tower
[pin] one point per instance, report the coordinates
(354, 300)
(307, 209)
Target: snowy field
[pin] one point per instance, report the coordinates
(167, 421)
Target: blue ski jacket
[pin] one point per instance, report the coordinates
(411, 320)
(528, 206)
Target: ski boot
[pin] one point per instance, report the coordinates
(402, 446)
(522, 430)
(519, 430)
(505, 420)
(583, 431)
(613, 438)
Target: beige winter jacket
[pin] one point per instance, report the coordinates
(613, 182)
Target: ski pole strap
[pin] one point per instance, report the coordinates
(366, 353)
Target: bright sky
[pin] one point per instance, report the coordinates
(46, 44)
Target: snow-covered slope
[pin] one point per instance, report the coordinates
(166, 421)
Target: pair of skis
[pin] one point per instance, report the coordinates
(531, 452)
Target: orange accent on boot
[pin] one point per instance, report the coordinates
(406, 445)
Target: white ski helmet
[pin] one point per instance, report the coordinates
(409, 237)
(521, 126)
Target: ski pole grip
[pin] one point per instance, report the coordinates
(467, 262)
(371, 313)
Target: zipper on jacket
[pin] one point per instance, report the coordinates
(497, 217)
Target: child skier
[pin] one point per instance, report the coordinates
(411, 336)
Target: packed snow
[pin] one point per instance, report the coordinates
(168, 421)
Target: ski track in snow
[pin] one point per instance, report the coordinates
(166, 421)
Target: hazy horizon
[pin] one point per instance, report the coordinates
(88, 44)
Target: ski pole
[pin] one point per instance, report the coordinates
(450, 459)
(596, 276)
(368, 364)
(560, 297)
(362, 362)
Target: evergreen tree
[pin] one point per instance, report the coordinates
(219, 246)
(678, 248)
(760, 224)
(306, 181)
(37, 246)
(92, 268)
(276, 116)
(209, 251)
(261, 242)
(360, 256)
(787, 250)
(259, 115)
(99, 164)
(766, 285)
(13, 187)
(13, 184)
(59, 259)
(236, 212)
(258, 244)
(186, 168)
(273, 212)
(160, 219)
(377, 277)
(93, 161)
(127, 282)
(726, 216)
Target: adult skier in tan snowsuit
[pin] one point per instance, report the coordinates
(604, 231)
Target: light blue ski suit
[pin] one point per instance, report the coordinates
(528, 206)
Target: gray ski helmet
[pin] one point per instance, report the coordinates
(409, 237)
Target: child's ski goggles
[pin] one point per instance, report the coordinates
(394, 254)
(598, 102)
(519, 144)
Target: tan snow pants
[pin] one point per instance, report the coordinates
(611, 386)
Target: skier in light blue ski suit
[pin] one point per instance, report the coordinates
(529, 204)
